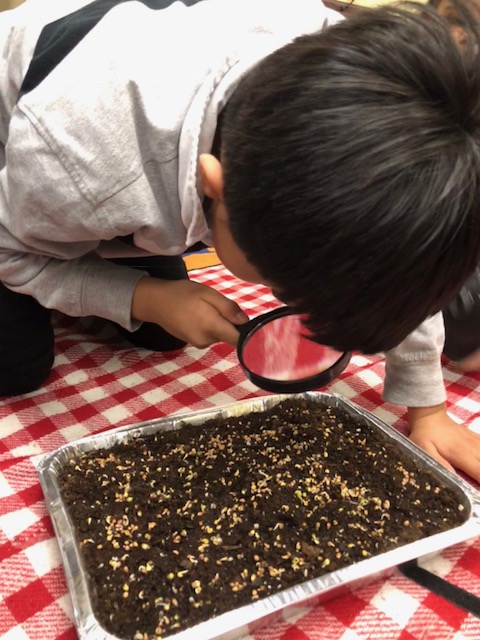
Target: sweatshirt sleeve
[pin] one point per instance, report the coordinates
(413, 374)
(49, 233)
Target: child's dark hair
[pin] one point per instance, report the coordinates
(460, 14)
(352, 173)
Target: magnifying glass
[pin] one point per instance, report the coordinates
(277, 355)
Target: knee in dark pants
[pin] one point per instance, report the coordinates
(26, 376)
(151, 336)
(26, 343)
(462, 321)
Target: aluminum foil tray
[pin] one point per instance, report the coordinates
(237, 622)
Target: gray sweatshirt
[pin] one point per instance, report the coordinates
(107, 146)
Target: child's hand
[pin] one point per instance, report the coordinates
(188, 310)
(450, 443)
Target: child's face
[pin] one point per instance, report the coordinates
(227, 249)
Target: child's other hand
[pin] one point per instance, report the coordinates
(452, 444)
(188, 310)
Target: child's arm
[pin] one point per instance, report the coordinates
(413, 373)
(414, 378)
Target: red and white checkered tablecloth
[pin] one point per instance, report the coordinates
(99, 382)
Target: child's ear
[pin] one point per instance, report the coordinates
(211, 175)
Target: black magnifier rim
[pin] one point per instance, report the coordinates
(316, 381)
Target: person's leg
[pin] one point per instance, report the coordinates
(26, 343)
(149, 335)
(462, 326)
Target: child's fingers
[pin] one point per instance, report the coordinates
(226, 307)
(225, 331)
(466, 455)
(211, 327)
(463, 456)
(429, 447)
(209, 324)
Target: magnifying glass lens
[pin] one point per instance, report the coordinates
(280, 351)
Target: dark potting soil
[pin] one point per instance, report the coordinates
(180, 526)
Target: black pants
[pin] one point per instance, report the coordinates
(26, 333)
(462, 321)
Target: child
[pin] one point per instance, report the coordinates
(339, 166)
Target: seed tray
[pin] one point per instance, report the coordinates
(244, 619)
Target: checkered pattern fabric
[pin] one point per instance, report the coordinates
(100, 382)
